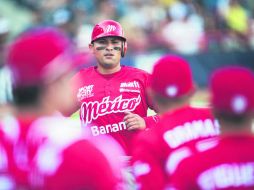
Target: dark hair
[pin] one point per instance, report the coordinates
(232, 118)
(167, 101)
(26, 96)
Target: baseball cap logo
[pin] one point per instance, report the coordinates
(239, 104)
(172, 90)
(110, 28)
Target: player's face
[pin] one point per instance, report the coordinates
(107, 52)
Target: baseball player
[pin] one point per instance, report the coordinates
(112, 97)
(46, 150)
(180, 123)
(227, 161)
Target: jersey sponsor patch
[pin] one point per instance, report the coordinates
(85, 92)
(132, 86)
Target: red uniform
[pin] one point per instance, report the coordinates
(48, 152)
(174, 129)
(224, 163)
(103, 100)
(51, 153)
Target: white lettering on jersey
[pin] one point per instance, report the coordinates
(85, 92)
(110, 28)
(191, 131)
(133, 84)
(175, 158)
(207, 144)
(227, 176)
(101, 130)
(130, 87)
(129, 90)
(91, 110)
(141, 168)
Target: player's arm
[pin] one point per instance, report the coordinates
(74, 104)
(72, 111)
(152, 115)
(135, 122)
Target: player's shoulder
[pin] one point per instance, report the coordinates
(189, 153)
(84, 72)
(204, 110)
(77, 148)
(146, 137)
(187, 111)
(56, 129)
(135, 70)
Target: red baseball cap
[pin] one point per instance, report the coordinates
(39, 54)
(172, 77)
(107, 28)
(232, 90)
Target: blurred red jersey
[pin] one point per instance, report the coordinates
(51, 153)
(104, 99)
(221, 163)
(175, 128)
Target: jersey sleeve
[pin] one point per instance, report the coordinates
(146, 165)
(181, 179)
(152, 120)
(74, 83)
(147, 86)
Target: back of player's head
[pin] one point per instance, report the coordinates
(36, 57)
(172, 77)
(39, 55)
(232, 91)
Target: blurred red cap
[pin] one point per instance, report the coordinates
(39, 54)
(172, 77)
(232, 90)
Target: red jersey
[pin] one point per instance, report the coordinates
(152, 148)
(104, 99)
(79, 170)
(221, 163)
(51, 153)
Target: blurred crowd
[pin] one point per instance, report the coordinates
(182, 26)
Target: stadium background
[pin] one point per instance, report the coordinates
(209, 33)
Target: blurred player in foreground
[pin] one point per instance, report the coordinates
(172, 87)
(112, 97)
(44, 149)
(227, 161)
(5, 74)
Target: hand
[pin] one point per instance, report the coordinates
(134, 121)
